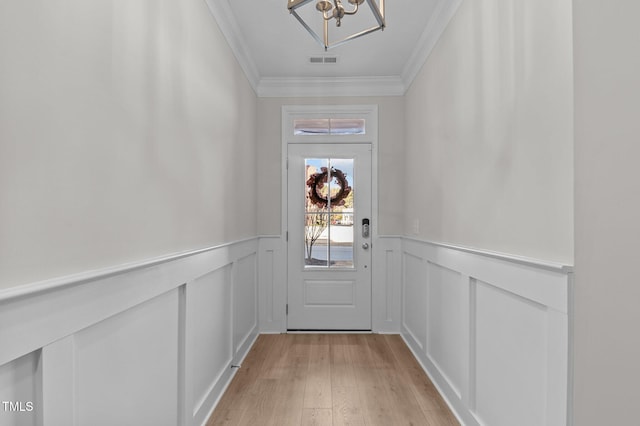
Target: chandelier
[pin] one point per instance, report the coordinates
(334, 10)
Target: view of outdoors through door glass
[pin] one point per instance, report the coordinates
(329, 213)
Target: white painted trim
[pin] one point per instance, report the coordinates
(234, 371)
(445, 10)
(571, 352)
(226, 20)
(435, 382)
(46, 319)
(386, 293)
(368, 111)
(537, 295)
(59, 387)
(86, 276)
(367, 86)
(341, 86)
(272, 279)
(330, 87)
(509, 274)
(527, 261)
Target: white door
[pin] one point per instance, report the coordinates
(329, 242)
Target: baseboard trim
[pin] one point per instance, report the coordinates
(435, 383)
(234, 371)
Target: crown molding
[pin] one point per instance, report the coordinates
(226, 20)
(445, 10)
(332, 87)
(274, 87)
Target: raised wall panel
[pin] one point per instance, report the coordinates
(19, 400)
(58, 382)
(511, 358)
(386, 284)
(447, 317)
(272, 284)
(245, 299)
(150, 343)
(209, 335)
(389, 280)
(497, 332)
(267, 262)
(127, 366)
(415, 299)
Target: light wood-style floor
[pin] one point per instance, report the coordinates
(331, 379)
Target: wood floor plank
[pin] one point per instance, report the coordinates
(246, 376)
(316, 417)
(274, 366)
(347, 409)
(317, 392)
(336, 379)
(226, 417)
(342, 374)
(380, 354)
(406, 407)
(291, 386)
(414, 376)
(377, 409)
(441, 418)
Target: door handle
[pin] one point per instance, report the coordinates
(365, 246)
(365, 228)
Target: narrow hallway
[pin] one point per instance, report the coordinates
(331, 379)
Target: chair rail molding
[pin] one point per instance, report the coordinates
(480, 323)
(168, 329)
(483, 324)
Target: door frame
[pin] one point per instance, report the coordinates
(370, 113)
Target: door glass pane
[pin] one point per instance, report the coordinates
(347, 126)
(328, 126)
(329, 213)
(311, 126)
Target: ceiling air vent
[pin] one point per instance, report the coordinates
(323, 60)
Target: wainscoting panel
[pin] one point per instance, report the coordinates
(492, 332)
(209, 342)
(272, 284)
(447, 323)
(146, 343)
(119, 360)
(20, 384)
(414, 297)
(245, 302)
(385, 291)
(511, 355)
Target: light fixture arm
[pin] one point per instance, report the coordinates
(355, 8)
(338, 10)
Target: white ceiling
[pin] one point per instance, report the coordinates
(274, 49)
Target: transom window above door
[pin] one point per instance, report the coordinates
(329, 126)
(312, 124)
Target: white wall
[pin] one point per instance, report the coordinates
(127, 130)
(390, 158)
(489, 133)
(607, 231)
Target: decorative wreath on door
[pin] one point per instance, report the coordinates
(317, 181)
